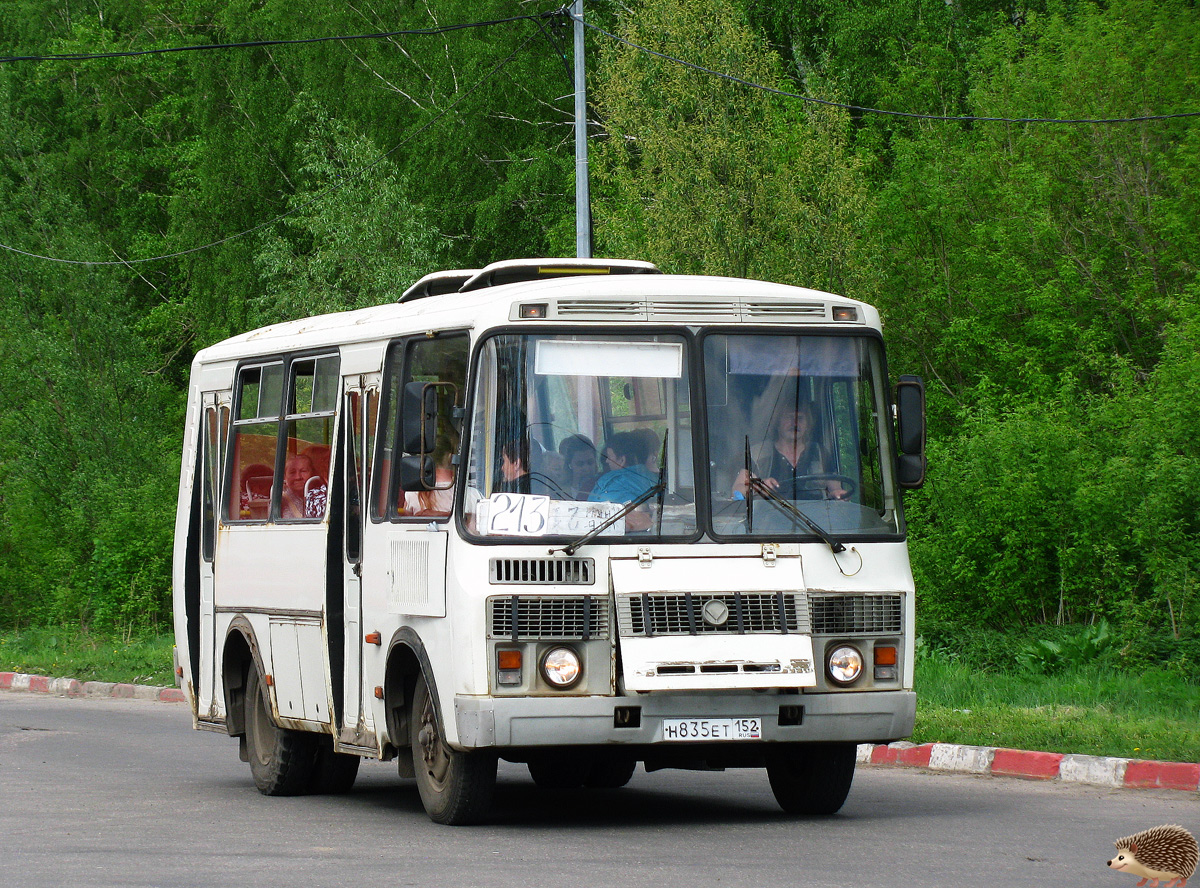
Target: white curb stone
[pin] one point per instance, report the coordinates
(65, 687)
(964, 759)
(1092, 769)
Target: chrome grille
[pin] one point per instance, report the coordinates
(545, 618)
(767, 310)
(542, 571)
(681, 613)
(714, 308)
(631, 308)
(839, 614)
(667, 310)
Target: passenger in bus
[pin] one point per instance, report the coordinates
(304, 491)
(652, 447)
(626, 477)
(438, 502)
(514, 470)
(793, 456)
(579, 460)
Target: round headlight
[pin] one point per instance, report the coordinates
(561, 667)
(844, 664)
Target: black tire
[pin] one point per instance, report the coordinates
(611, 772)
(811, 778)
(281, 761)
(559, 770)
(334, 772)
(456, 787)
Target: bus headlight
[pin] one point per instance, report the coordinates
(844, 664)
(561, 667)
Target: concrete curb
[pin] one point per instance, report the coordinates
(1093, 770)
(70, 687)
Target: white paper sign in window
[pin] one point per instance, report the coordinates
(518, 514)
(559, 357)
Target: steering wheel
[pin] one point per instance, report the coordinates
(848, 483)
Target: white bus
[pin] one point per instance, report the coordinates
(576, 514)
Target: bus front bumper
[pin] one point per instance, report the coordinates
(866, 717)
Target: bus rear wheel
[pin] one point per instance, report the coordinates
(456, 787)
(281, 761)
(334, 772)
(811, 778)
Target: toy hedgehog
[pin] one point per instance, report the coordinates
(1165, 852)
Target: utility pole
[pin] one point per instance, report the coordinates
(583, 204)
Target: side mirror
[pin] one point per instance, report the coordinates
(420, 417)
(416, 473)
(910, 417)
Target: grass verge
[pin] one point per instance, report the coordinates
(1090, 710)
(66, 653)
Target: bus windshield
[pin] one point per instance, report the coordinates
(569, 429)
(796, 431)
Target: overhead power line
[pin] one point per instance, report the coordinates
(250, 44)
(959, 118)
(538, 18)
(333, 186)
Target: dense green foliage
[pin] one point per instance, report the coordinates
(1042, 277)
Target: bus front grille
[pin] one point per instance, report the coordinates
(542, 571)
(739, 613)
(843, 614)
(547, 618)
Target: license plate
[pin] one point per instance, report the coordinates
(697, 729)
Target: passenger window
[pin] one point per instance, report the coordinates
(255, 442)
(312, 401)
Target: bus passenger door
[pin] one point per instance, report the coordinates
(203, 658)
(359, 410)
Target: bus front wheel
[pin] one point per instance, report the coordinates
(456, 787)
(811, 778)
(281, 761)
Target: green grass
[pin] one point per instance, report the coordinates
(1089, 709)
(70, 653)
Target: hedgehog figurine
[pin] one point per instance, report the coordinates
(1165, 852)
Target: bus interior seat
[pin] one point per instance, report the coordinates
(318, 454)
(257, 479)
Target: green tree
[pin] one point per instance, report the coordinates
(704, 175)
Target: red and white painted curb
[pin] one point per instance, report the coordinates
(1094, 770)
(70, 687)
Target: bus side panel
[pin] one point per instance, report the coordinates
(184, 572)
(280, 571)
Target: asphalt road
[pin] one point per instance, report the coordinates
(100, 792)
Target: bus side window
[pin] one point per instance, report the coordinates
(312, 405)
(254, 442)
(441, 360)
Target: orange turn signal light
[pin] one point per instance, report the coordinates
(508, 659)
(885, 656)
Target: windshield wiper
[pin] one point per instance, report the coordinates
(662, 480)
(759, 486)
(605, 525)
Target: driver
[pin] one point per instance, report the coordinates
(793, 460)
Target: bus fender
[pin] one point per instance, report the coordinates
(406, 660)
(239, 655)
